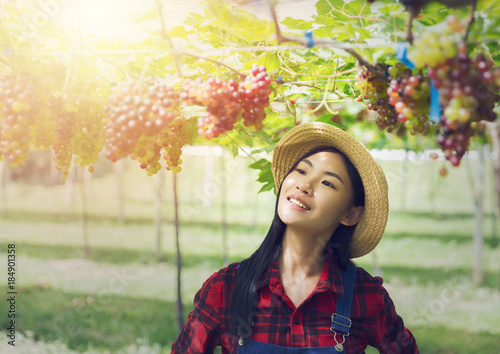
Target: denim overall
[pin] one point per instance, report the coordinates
(340, 324)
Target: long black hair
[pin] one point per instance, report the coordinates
(244, 294)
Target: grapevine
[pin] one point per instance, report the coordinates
(148, 154)
(432, 48)
(62, 142)
(172, 141)
(169, 143)
(225, 101)
(254, 95)
(467, 88)
(409, 94)
(375, 91)
(221, 100)
(18, 101)
(136, 111)
(89, 130)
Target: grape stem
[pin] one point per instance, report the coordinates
(219, 63)
(471, 21)
(124, 72)
(326, 42)
(165, 34)
(239, 147)
(488, 53)
(4, 63)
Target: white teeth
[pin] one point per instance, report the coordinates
(294, 201)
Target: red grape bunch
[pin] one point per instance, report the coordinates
(468, 90)
(254, 95)
(409, 94)
(135, 111)
(18, 102)
(221, 100)
(375, 91)
(148, 154)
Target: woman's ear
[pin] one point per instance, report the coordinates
(353, 216)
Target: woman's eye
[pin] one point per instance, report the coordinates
(301, 171)
(328, 184)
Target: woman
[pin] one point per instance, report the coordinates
(300, 292)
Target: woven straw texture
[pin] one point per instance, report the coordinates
(307, 136)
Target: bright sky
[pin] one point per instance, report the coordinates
(115, 18)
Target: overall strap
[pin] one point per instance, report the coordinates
(341, 321)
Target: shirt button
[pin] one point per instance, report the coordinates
(296, 321)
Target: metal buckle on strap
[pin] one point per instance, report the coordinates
(344, 321)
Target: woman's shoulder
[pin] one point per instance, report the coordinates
(363, 276)
(369, 284)
(223, 278)
(227, 273)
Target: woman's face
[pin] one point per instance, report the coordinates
(317, 196)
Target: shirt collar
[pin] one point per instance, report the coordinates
(330, 278)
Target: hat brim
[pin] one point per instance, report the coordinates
(307, 136)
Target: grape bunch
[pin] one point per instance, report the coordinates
(254, 96)
(169, 143)
(61, 146)
(221, 100)
(468, 89)
(409, 94)
(148, 154)
(375, 91)
(434, 47)
(172, 141)
(18, 102)
(135, 111)
(43, 131)
(90, 126)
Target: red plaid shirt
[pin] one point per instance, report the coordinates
(277, 321)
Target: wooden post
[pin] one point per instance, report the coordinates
(494, 128)
(158, 218)
(3, 186)
(223, 188)
(85, 190)
(208, 180)
(118, 168)
(69, 187)
(404, 183)
(478, 242)
(180, 310)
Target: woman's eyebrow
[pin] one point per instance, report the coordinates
(326, 172)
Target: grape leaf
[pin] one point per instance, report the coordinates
(297, 24)
(265, 174)
(147, 16)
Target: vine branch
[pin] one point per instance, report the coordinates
(169, 40)
(124, 72)
(215, 61)
(327, 42)
(471, 20)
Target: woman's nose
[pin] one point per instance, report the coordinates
(304, 187)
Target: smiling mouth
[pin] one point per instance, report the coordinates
(296, 202)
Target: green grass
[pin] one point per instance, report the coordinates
(122, 299)
(103, 320)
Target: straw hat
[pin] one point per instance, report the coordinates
(307, 136)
